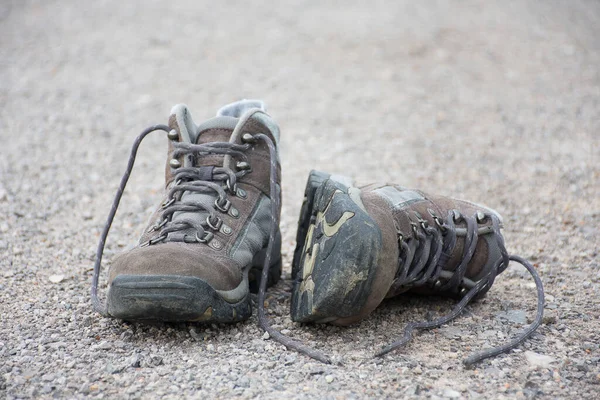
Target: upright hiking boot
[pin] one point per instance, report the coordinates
(356, 247)
(204, 247)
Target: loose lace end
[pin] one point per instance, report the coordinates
(263, 321)
(99, 306)
(477, 357)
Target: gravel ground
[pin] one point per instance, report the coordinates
(498, 103)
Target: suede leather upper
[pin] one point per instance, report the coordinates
(211, 262)
(392, 220)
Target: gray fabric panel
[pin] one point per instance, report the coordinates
(399, 199)
(255, 235)
(218, 123)
(198, 216)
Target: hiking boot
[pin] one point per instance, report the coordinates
(356, 247)
(202, 251)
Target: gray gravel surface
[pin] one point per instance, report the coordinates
(496, 102)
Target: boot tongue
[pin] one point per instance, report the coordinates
(217, 129)
(220, 128)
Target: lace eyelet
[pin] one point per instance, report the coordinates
(456, 216)
(232, 188)
(438, 221)
(241, 193)
(173, 135)
(415, 228)
(168, 203)
(154, 228)
(481, 217)
(156, 240)
(243, 166)
(226, 230)
(216, 225)
(234, 212)
(206, 239)
(223, 208)
(215, 244)
(248, 138)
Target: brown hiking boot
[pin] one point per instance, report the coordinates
(356, 247)
(202, 251)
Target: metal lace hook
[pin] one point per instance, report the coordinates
(96, 303)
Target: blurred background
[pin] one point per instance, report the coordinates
(429, 95)
(497, 102)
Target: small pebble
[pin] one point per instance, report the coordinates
(135, 361)
(451, 394)
(56, 278)
(126, 335)
(539, 360)
(156, 360)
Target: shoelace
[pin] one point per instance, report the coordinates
(197, 184)
(410, 273)
(425, 265)
(98, 305)
(204, 179)
(262, 318)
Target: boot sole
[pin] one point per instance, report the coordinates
(337, 253)
(183, 298)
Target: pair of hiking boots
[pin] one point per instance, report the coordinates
(215, 238)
